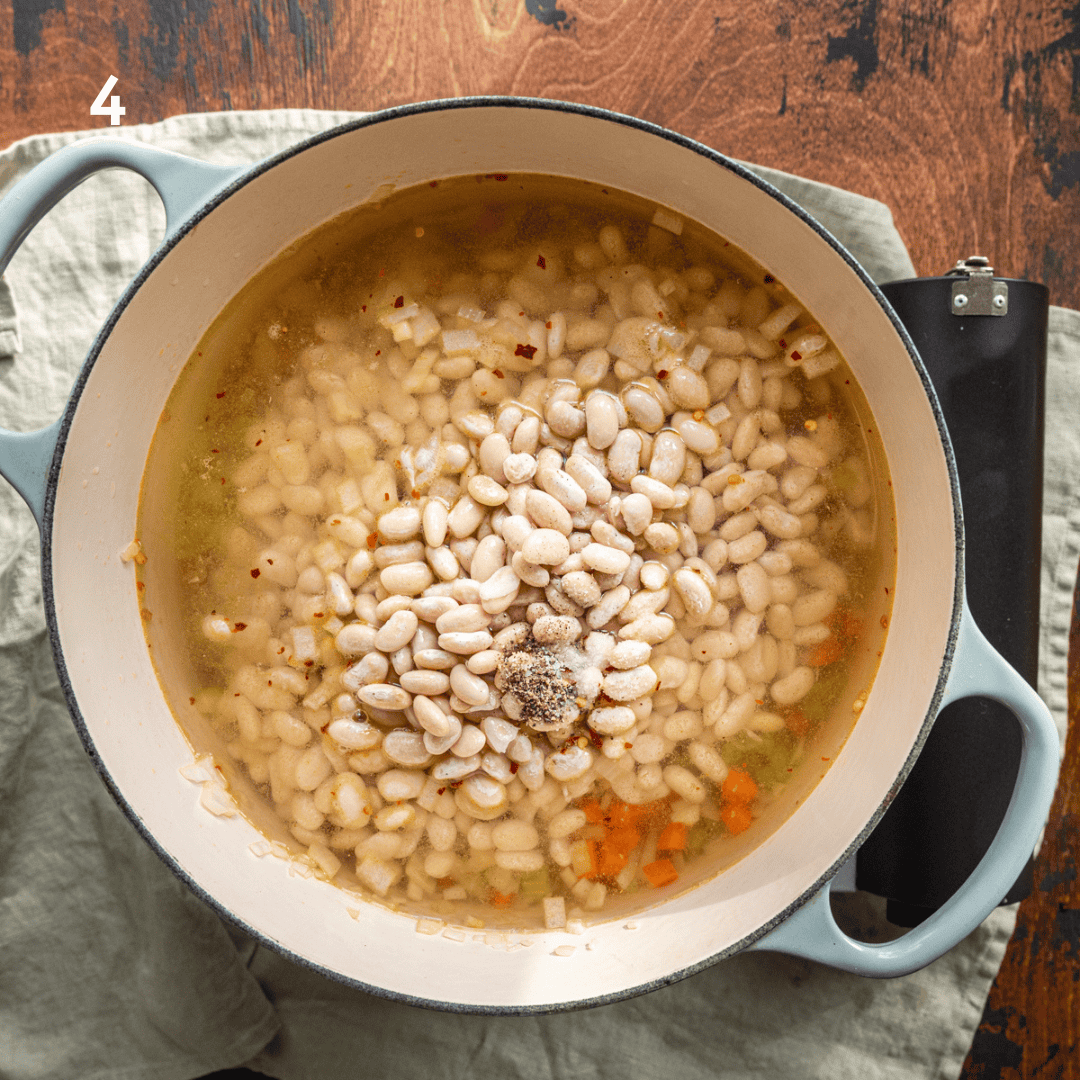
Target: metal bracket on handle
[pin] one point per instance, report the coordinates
(976, 292)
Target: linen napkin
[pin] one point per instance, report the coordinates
(109, 968)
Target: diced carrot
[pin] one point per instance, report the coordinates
(624, 815)
(623, 840)
(739, 787)
(673, 837)
(797, 722)
(500, 900)
(736, 816)
(593, 814)
(828, 652)
(620, 815)
(661, 872)
(842, 620)
(610, 861)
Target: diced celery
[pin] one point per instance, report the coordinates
(822, 696)
(535, 885)
(700, 834)
(844, 477)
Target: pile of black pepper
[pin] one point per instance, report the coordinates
(537, 678)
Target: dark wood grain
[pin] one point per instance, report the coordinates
(962, 115)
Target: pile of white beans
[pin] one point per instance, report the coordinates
(625, 463)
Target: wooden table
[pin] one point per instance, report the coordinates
(963, 117)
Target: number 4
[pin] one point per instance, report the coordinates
(115, 110)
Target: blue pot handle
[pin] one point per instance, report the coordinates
(183, 184)
(978, 669)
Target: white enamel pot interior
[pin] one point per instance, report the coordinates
(113, 689)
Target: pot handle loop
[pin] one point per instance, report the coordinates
(184, 184)
(977, 669)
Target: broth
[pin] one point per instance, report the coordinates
(533, 549)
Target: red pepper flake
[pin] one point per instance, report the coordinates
(258, 442)
(440, 791)
(215, 451)
(191, 701)
(146, 615)
(884, 622)
(308, 663)
(886, 590)
(256, 572)
(140, 585)
(322, 615)
(363, 307)
(222, 394)
(541, 262)
(528, 351)
(769, 279)
(433, 183)
(386, 496)
(223, 480)
(399, 302)
(628, 746)
(783, 344)
(378, 352)
(237, 627)
(548, 324)
(270, 562)
(372, 540)
(497, 373)
(662, 374)
(514, 766)
(497, 176)
(796, 355)
(415, 493)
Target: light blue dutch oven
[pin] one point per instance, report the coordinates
(226, 223)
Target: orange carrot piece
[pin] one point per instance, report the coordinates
(828, 652)
(611, 862)
(659, 873)
(739, 787)
(737, 817)
(797, 722)
(673, 837)
(593, 814)
(625, 816)
(623, 840)
(500, 900)
(844, 622)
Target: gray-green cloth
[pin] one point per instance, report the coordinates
(110, 968)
